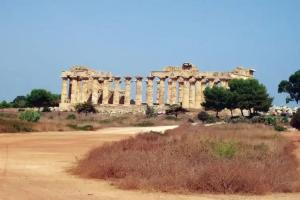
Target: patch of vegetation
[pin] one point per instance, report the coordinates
(225, 149)
(175, 110)
(4, 104)
(150, 112)
(295, 122)
(81, 128)
(198, 159)
(279, 128)
(145, 124)
(85, 108)
(71, 117)
(170, 117)
(203, 116)
(14, 126)
(30, 116)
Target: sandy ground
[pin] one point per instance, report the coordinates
(34, 167)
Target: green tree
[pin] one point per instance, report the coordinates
(42, 98)
(231, 101)
(19, 102)
(215, 99)
(4, 104)
(292, 87)
(251, 95)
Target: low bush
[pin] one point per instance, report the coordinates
(71, 117)
(150, 112)
(279, 128)
(234, 158)
(85, 108)
(295, 122)
(30, 116)
(14, 126)
(46, 109)
(81, 128)
(225, 149)
(170, 117)
(203, 116)
(145, 124)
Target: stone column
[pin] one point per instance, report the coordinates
(173, 90)
(199, 93)
(157, 92)
(74, 90)
(95, 90)
(138, 95)
(169, 92)
(64, 90)
(105, 91)
(192, 92)
(162, 91)
(78, 92)
(180, 89)
(186, 93)
(127, 90)
(84, 90)
(150, 90)
(116, 100)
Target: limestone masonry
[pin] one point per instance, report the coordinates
(174, 85)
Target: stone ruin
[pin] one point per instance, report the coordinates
(173, 85)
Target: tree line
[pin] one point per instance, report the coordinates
(36, 98)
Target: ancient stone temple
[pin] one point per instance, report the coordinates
(174, 85)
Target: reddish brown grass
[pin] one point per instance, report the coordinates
(187, 159)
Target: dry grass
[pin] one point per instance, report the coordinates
(220, 159)
(58, 121)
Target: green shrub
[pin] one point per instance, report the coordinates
(21, 127)
(170, 117)
(4, 104)
(270, 120)
(175, 110)
(71, 117)
(85, 108)
(279, 128)
(203, 116)
(150, 112)
(46, 109)
(30, 116)
(81, 128)
(225, 149)
(258, 119)
(295, 122)
(212, 119)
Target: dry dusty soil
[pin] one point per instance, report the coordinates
(34, 167)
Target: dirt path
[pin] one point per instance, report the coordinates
(33, 167)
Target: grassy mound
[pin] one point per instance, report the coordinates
(221, 159)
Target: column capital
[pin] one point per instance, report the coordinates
(139, 78)
(192, 80)
(150, 77)
(117, 78)
(128, 78)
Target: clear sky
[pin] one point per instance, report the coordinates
(39, 39)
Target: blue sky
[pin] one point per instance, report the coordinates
(39, 39)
